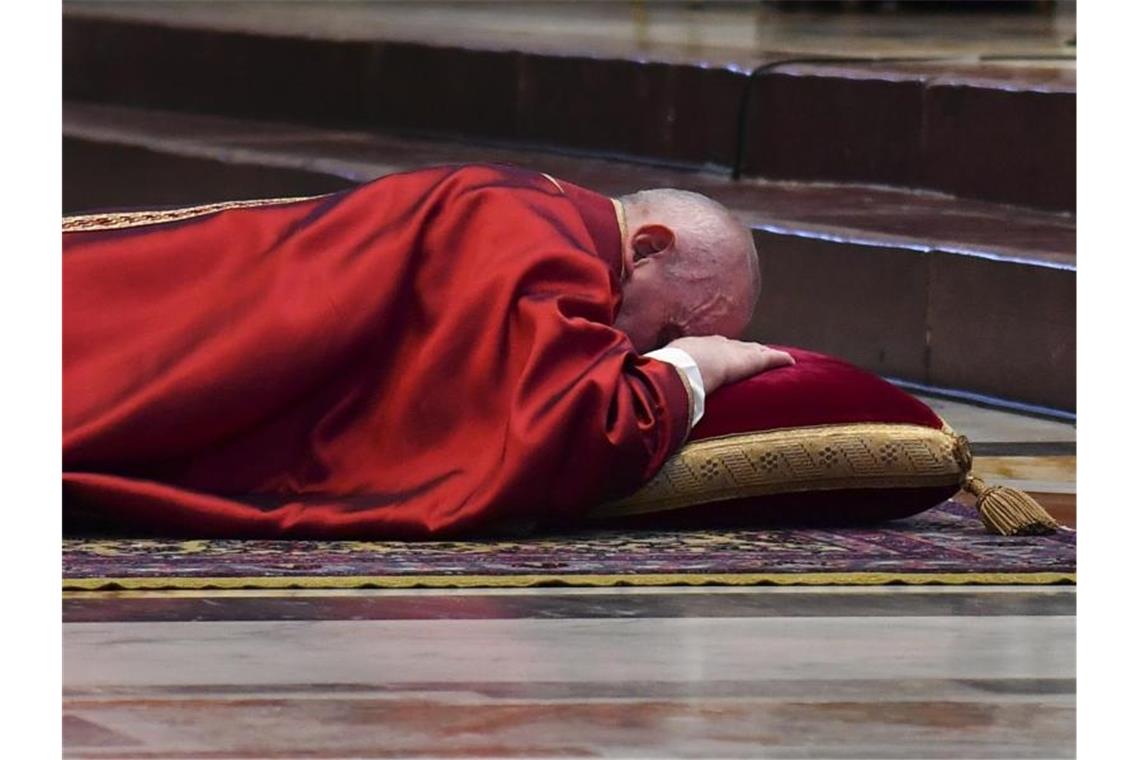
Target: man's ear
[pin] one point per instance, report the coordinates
(651, 239)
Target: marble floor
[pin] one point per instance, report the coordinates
(791, 673)
(800, 672)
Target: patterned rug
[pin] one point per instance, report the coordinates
(944, 545)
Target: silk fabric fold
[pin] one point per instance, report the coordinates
(428, 354)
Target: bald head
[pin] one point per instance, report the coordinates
(691, 269)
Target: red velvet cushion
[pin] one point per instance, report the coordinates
(818, 442)
(818, 390)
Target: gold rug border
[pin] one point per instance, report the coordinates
(530, 581)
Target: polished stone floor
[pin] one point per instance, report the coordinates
(801, 672)
(793, 673)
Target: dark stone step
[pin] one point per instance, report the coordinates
(669, 111)
(1000, 133)
(100, 175)
(926, 287)
(995, 131)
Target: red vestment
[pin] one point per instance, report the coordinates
(426, 354)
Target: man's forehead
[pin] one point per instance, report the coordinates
(714, 313)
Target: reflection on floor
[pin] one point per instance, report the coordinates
(670, 672)
(764, 672)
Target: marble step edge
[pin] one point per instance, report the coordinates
(893, 122)
(724, 48)
(838, 212)
(976, 131)
(993, 324)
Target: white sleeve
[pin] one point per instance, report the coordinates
(683, 362)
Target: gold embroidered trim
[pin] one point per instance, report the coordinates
(122, 219)
(795, 460)
(87, 587)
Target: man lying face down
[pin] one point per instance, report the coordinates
(433, 353)
(691, 270)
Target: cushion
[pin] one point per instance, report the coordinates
(820, 442)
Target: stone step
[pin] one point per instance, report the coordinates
(678, 111)
(957, 111)
(999, 132)
(938, 290)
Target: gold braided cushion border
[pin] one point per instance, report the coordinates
(121, 219)
(797, 460)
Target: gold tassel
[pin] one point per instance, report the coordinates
(1009, 511)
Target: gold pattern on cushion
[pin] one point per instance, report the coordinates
(796, 460)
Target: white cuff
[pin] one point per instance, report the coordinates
(685, 363)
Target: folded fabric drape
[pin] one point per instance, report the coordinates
(427, 354)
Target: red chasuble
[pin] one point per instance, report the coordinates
(428, 354)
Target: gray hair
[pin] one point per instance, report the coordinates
(709, 227)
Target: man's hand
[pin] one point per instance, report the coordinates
(722, 360)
